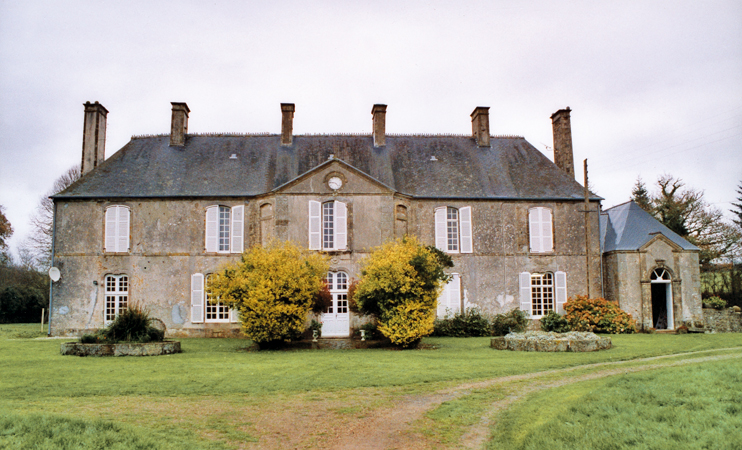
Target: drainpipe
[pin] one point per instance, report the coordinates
(51, 283)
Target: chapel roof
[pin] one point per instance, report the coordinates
(628, 227)
(441, 166)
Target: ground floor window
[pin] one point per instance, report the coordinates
(202, 308)
(543, 292)
(215, 311)
(117, 295)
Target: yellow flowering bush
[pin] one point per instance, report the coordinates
(273, 288)
(597, 315)
(400, 283)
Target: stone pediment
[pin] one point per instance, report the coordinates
(659, 237)
(334, 172)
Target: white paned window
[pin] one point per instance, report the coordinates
(453, 229)
(205, 308)
(328, 225)
(117, 296)
(542, 292)
(117, 229)
(540, 230)
(225, 229)
(449, 302)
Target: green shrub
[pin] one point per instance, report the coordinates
(133, 324)
(598, 315)
(555, 322)
(371, 331)
(715, 302)
(514, 321)
(470, 323)
(89, 339)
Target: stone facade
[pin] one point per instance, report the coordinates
(167, 229)
(722, 321)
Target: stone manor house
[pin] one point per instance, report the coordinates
(151, 223)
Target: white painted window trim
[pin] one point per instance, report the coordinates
(449, 302)
(117, 294)
(117, 224)
(560, 293)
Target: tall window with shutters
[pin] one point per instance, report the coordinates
(543, 292)
(202, 308)
(225, 229)
(453, 229)
(328, 225)
(449, 302)
(117, 296)
(117, 229)
(540, 230)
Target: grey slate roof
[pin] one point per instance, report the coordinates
(148, 167)
(628, 227)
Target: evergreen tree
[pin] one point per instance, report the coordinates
(640, 195)
(737, 210)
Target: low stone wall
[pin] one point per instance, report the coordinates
(722, 320)
(124, 349)
(541, 341)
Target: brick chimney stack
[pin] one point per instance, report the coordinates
(379, 125)
(287, 123)
(480, 125)
(93, 136)
(179, 124)
(563, 141)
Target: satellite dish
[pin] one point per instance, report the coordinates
(54, 274)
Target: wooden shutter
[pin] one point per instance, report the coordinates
(341, 226)
(197, 298)
(547, 240)
(560, 280)
(110, 239)
(315, 225)
(122, 229)
(525, 292)
(238, 229)
(467, 242)
(234, 315)
(454, 293)
(212, 228)
(441, 240)
(534, 229)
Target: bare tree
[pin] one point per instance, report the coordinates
(5, 232)
(38, 245)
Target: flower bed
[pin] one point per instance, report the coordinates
(541, 341)
(123, 349)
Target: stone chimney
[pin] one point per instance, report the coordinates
(287, 123)
(93, 137)
(563, 141)
(379, 125)
(480, 125)
(179, 124)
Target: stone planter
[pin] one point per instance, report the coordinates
(539, 341)
(123, 349)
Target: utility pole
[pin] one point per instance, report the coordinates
(587, 229)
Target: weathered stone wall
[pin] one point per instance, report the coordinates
(723, 320)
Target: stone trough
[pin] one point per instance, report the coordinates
(123, 349)
(541, 341)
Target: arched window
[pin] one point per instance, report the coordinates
(453, 229)
(542, 292)
(117, 296)
(225, 229)
(328, 225)
(336, 318)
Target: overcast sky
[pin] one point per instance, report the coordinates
(654, 86)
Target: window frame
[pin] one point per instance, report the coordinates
(118, 297)
(200, 300)
(558, 292)
(464, 239)
(224, 230)
(319, 224)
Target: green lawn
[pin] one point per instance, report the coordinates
(94, 394)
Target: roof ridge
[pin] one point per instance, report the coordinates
(417, 135)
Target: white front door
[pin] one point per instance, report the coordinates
(336, 319)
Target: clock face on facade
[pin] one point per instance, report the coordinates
(335, 183)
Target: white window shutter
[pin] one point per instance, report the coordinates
(238, 229)
(341, 226)
(467, 242)
(442, 303)
(560, 279)
(122, 229)
(110, 240)
(534, 229)
(197, 298)
(454, 294)
(234, 315)
(441, 241)
(547, 240)
(212, 228)
(525, 292)
(315, 225)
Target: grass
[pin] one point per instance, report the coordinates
(693, 407)
(208, 394)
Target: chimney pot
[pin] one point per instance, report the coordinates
(562, 128)
(379, 125)
(179, 124)
(287, 123)
(480, 125)
(93, 136)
